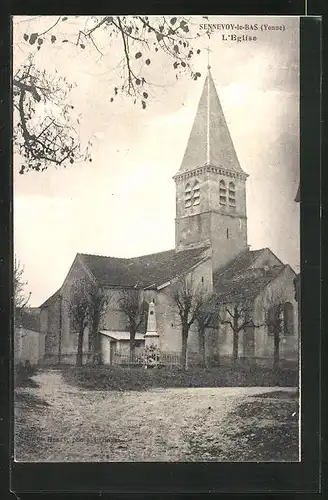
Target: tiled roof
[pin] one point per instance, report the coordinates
(238, 280)
(51, 299)
(146, 271)
(239, 264)
(247, 284)
(121, 335)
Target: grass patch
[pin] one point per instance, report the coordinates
(139, 379)
(29, 400)
(280, 395)
(23, 375)
(269, 443)
(279, 410)
(258, 430)
(268, 428)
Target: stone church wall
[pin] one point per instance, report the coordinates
(168, 319)
(263, 343)
(282, 288)
(228, 238)
(69, 336)
(56, 323)
(114, 319)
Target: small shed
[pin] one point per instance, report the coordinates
(115, 346)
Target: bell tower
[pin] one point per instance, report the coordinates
(211, 185)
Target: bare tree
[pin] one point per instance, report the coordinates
(131, 303)
(189, 299)
(79, 306)
(98, 302)
(207, 315)
(20, 298)
(238, 316)
(274, 320)
(87, 305)
(54, 140)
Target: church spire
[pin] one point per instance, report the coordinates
(208, 105)
(210, 142)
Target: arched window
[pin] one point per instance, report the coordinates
(223, 193)
(288, 319)
(188, 196)
(232, 194)
(192, 195)
(196, 194)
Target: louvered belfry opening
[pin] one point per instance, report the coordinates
(210, 184)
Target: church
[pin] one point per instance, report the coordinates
(210, 246)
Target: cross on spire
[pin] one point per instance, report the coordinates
(208, 57)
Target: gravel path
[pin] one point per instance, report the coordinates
(156, 425)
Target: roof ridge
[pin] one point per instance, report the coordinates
(102, 256)
(141, 256)
(254, 255)
(152, 254)
(57, 292)
(123, 258)
(146, 270)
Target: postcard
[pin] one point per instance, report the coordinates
(156, 238)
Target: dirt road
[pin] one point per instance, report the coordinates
(59, 422)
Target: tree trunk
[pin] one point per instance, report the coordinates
(235, 338)
(91, 342)
(184, 349)
(276, 340)
(201, 337)
(79, 355)
(96, 349)
(132, 347)
(235, 346)
(90, 346)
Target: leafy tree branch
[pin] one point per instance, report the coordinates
(44, 138)
(48, 138)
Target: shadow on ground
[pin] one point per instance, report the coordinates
(264, 428)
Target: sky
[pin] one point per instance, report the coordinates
(122, 203)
